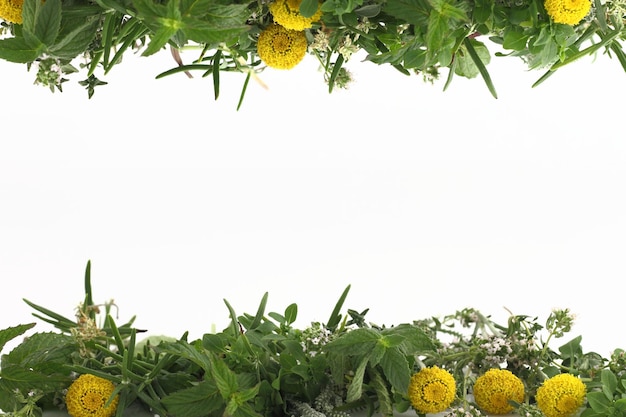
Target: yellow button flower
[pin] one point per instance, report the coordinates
(11, 11)
(88, 395)
(495, 388)
(432, 390)
(280, 47)
(561, 396)
(287, 13)
(567, 12)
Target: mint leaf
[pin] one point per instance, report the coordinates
(415, 12)
(11, 333)
(75, 39)
(414, 339)
(200, 400)
(18, 50)
(47, 21)
(224, 377)
(355, 342)
(396, 369)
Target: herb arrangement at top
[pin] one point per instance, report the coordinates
(260, 365)
(55, 38)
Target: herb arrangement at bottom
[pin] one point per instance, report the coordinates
(260, 365)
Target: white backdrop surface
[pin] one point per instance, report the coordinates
(424, 202)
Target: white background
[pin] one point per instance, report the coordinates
(423, 201)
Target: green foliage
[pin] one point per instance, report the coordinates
(413, 36)
(608, 399)
(260, 365)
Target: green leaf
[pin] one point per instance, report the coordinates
(75, 40)
(415, 12)
(483, 9)
(438, 28)
(564, 35)
(377, 352)
(354, 342)
(544, 37)
(149, 10)
(47, 20)
(19, 51)
(335, 72)
(224, 378)
(212, 24)
(197, 401)
(29, 14)
(369, 10)
(293, 349)
(448, 10)
(11, 333)
(609, 382)
(258, 317)
(190, 352)
(620, 405)
(226, 16)
(378, 383)
(41, 351)
(88, 291)
(246, 410)
(598, 402)
(606, 40)
(514, 39)
(291, 312)
(600, 14)
(25, 380)
(55, 319)
(414, 339)
(248, 394)
(355, 388)
(161, 37)
(309, 7)
(164, 21)
(415, 58)
(335, 316)
(38, 363)
(340, 7)
(481, 66)
(466, 65)
(243, 90)
(195, 7)
(396, 369)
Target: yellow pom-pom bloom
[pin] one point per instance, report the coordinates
(280, 47)
(495, 388)
(432, 390)
(561, 396)
(88, 395)
(287, 13)
(11, 11)
(568, 12)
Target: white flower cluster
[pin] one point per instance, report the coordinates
(464, 411)
(314, 337)
(497, 350)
